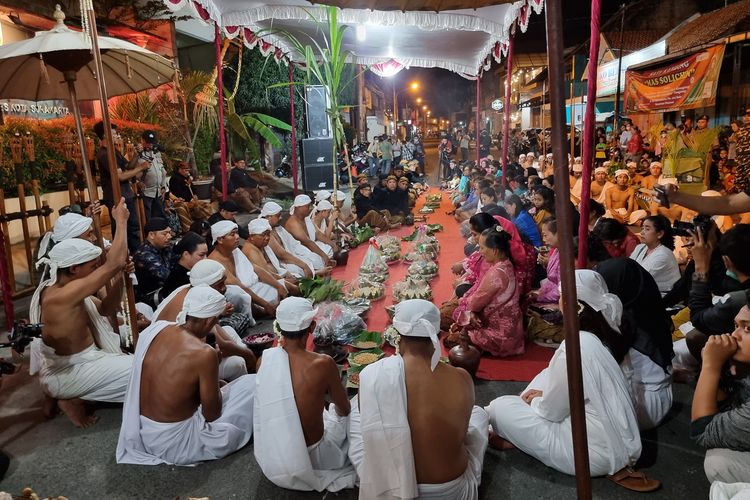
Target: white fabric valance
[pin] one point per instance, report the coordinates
(457, 40)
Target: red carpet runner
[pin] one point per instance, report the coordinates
(520, 368)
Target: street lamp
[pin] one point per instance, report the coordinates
(412, 86)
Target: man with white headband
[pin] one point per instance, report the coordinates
(538, 421)
(175, 412)
(258, 250)
(236, 358)
(297, 226)
(600, 185)
(320, 224)
(67, 226)
(82, 359)
(297, 258)
(293, 385)
(620, 200)
(240, 271)
(393, 428)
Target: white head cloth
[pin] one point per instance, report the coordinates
(577, 167)
(201, 302)
(592, 289)
(300, 201)
(340, 195)
(295, 314)
(600, 169)
(324, 205)
(322, 195)
(69, 253)
(419, 318)
(549, 155)
(222, 228)
(270, 208)
(206, 272)
(258, 226)
(522, 155)
(655, 164)
(622, 171)
(632, 164)
(70, 226)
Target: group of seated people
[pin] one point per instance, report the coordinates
(390, 203)
(198, 393)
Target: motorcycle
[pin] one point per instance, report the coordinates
(285, 168)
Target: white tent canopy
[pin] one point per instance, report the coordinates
(456, 40)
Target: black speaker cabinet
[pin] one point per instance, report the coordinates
(317, 177)
(318, 124)
(317, 151)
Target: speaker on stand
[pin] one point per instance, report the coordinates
(316, 118)
(317, 161)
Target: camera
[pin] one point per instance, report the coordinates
(22, 335)
(700, 222)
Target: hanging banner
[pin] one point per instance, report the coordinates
(687, 83)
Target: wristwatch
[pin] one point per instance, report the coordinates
(703, 277)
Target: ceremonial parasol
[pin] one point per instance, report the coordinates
(34, 70)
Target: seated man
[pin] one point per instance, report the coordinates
(406, 440)
(227, 211)
(298, 444)
(240, 271)
(290, 250)
(367, 213)
(394, 201)
(620, 200)
(600, 185)
(189, 250)
(81, 355)
(243, 181)
(261, 255)
(175, 412)
(236, 358)
(153, 260)
(725, 434)
(187, 205)
(299, 226)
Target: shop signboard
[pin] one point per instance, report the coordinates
(687, 83)
(41, 110)
(606, 78)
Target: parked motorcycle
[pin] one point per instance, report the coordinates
(285, 168)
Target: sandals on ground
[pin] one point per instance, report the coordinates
(634, 480)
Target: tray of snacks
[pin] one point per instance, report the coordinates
(411, 288)
(365, 357)
(352, 377)
(368, 340)
(425, 269)
(366, 288)
(259, 342)
(390, 335)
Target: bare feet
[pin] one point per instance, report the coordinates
(75, 409)
(49, 407)
(499, 443)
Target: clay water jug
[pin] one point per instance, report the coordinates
(464, 355)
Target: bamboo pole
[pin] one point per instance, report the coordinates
(5, 276)
(506, 109)
(555, 46)
(7, 252)
(293, 123)
(588, 133)
(111, 158)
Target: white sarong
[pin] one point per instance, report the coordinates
(651, 389)
(247, 276)
(282, 268)
(325, 247)
(144, 441)
(293, 246)
(543, 429)
(380, 441)
(94, 374)
(280, 442)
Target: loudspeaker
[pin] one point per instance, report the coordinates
(317, 177)
(317, 151)
(316, 103)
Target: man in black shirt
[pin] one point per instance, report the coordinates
(188, 207)
(125, 172)
(394, 200)
(189, 250)
(153, 260)
(243, 181)
(227, 210)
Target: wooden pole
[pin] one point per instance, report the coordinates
(41, 223)
(293, 123)
(7, 256)
(506, 109)
(24, 222)
(111, 159)
(5, 278)
(555, 46)
(220, 101)
(588, 133)
(70, 78)
(478, 117)
(616, 122)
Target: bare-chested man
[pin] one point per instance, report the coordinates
(236, 358)
(620, 200)
(296, 257)
(261, 255)
(81, 355)
(240, 271)
(441, 440)
(600, 185)
(297, 226)
(293, 385)
(175, 412)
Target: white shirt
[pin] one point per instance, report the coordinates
(660, 263)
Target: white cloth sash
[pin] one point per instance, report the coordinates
(293, 246)
(279, 445)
